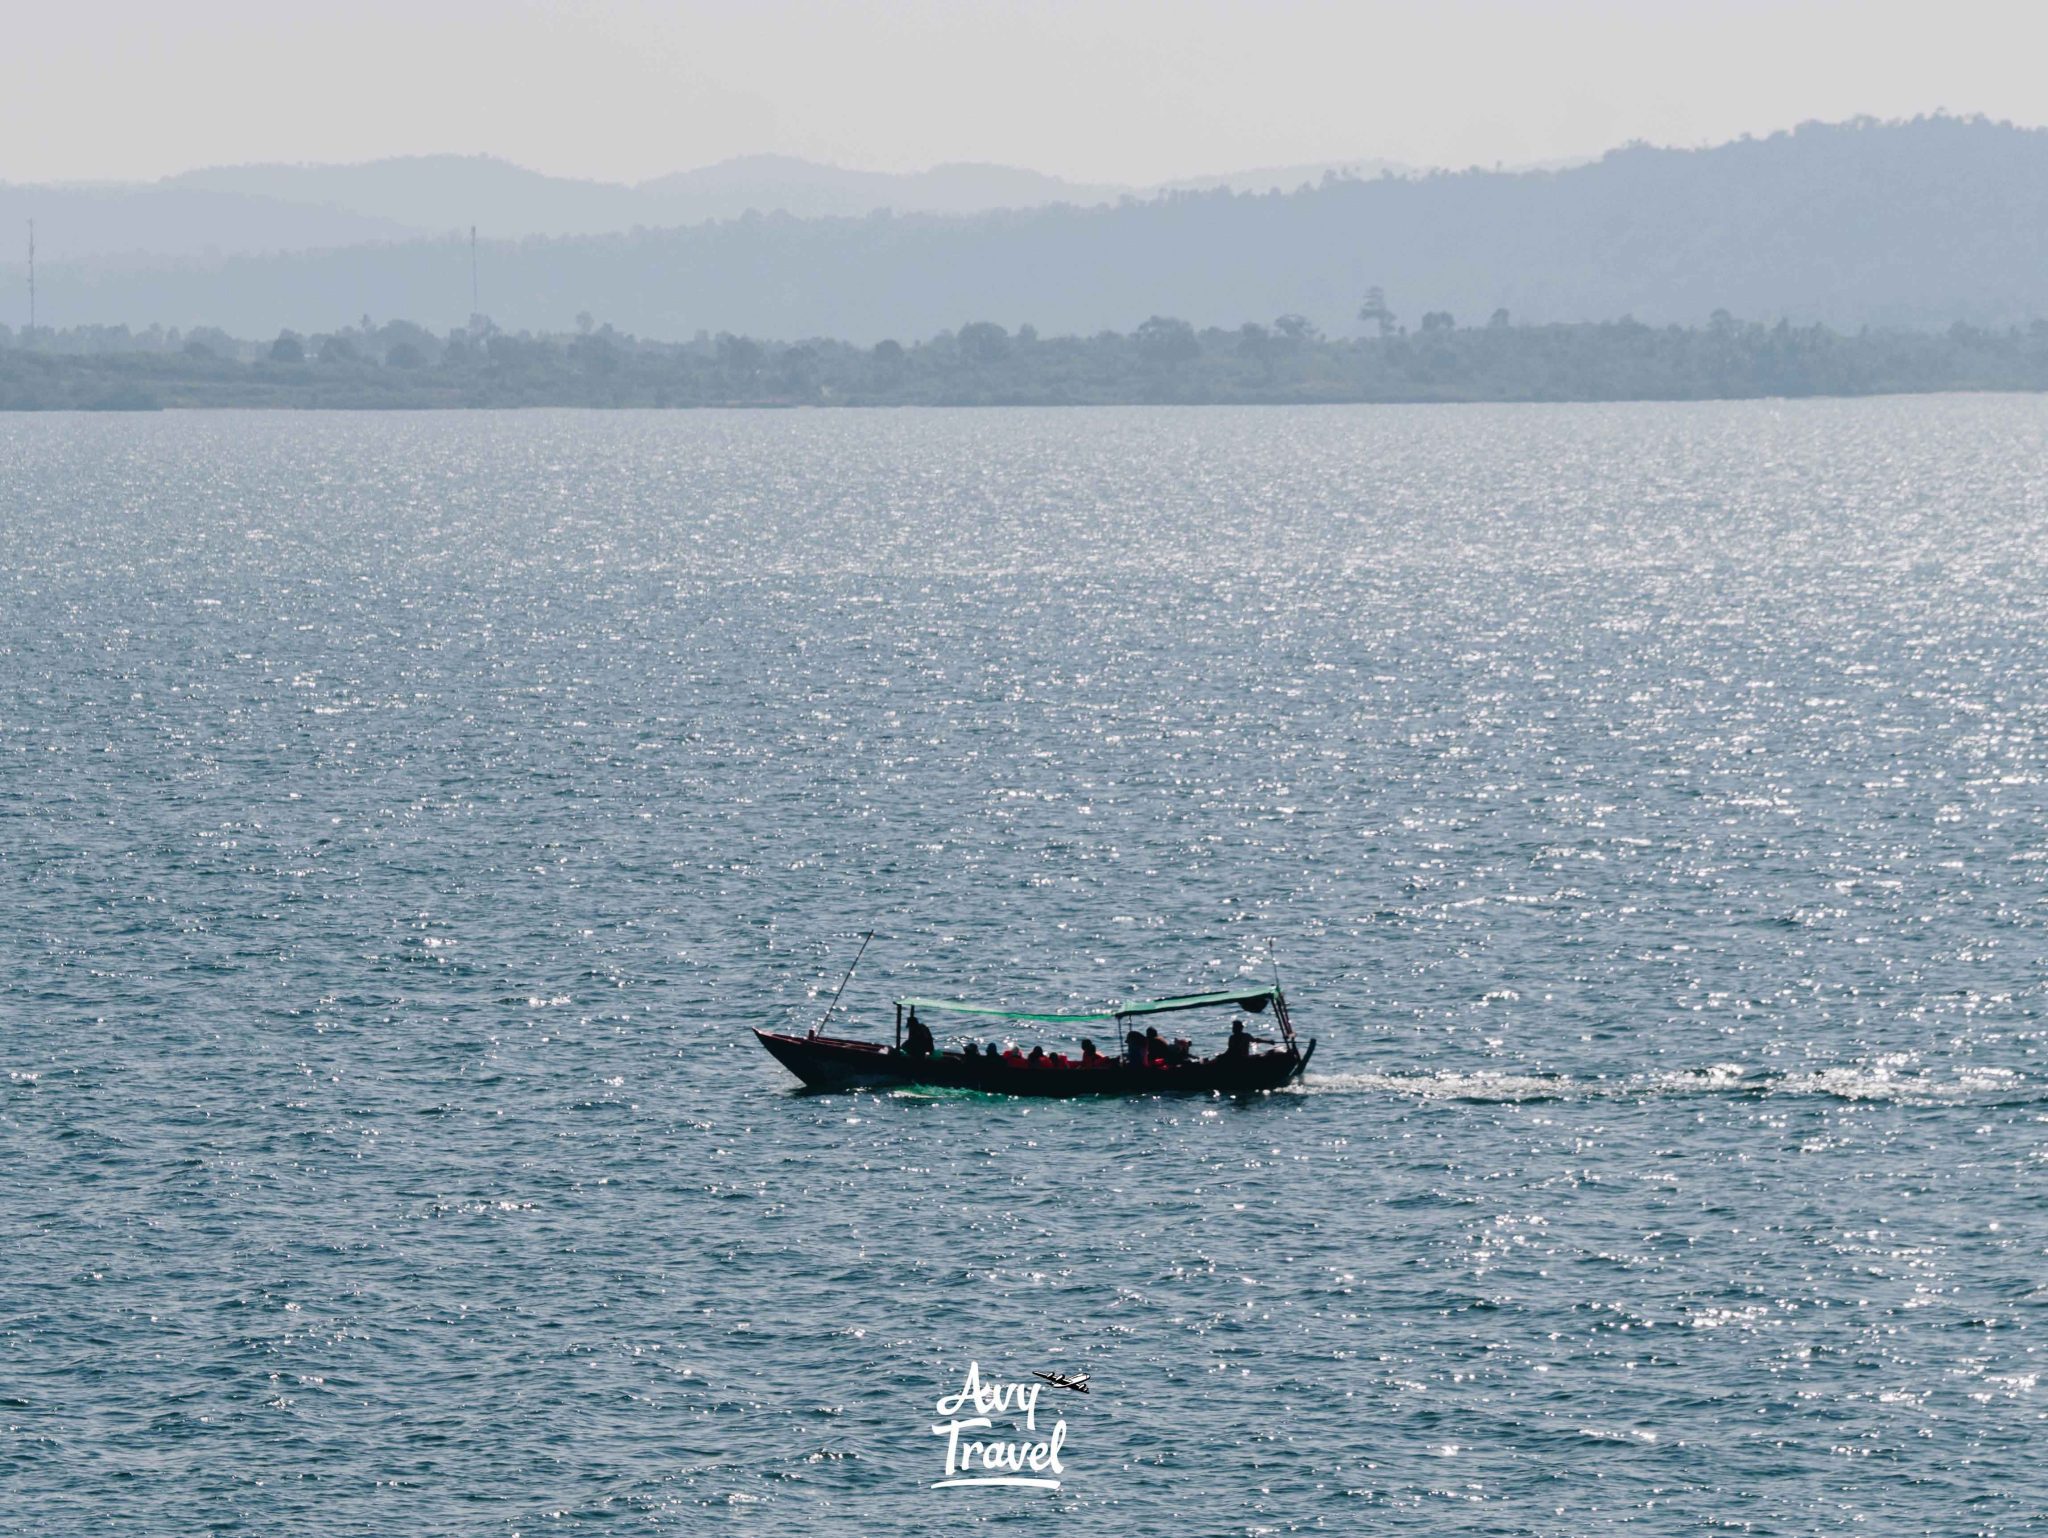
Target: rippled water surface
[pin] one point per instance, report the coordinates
(403, 820)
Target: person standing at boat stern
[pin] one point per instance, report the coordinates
(917, 1037)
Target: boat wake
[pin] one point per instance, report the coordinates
(1880, 1081)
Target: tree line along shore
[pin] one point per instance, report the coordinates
(399, 366)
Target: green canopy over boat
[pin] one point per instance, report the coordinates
(1253, 999)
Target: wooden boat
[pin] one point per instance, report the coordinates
(837, 1062)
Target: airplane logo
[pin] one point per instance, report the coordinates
(1061, 1380)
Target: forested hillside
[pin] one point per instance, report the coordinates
(1916, 224)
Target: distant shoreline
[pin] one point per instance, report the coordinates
(772, 407)
(400, 367)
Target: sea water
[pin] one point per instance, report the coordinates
(405, 819)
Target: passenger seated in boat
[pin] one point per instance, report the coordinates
(1037, 1057)
(1058, 1060)
(917, 1037)
(971, 1050)
(1134, 1048)
(1090, 1058)
(1157, 1052)
(1012, 1056)
(1239, 1048)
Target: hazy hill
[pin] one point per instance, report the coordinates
(263, 209)
(159, 221)
(1287, 178)
(1907, 224)
(436, 193)
(781, 184)
(432, 194)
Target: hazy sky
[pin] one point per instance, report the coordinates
(1122, 90)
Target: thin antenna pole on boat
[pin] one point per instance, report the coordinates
(822, 1023)
(1279, 994)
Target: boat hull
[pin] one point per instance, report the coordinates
(830, 1062)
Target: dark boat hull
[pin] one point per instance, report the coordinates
(830, 1062)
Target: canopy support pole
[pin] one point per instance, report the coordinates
(1279, 998)
(822, 1023)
